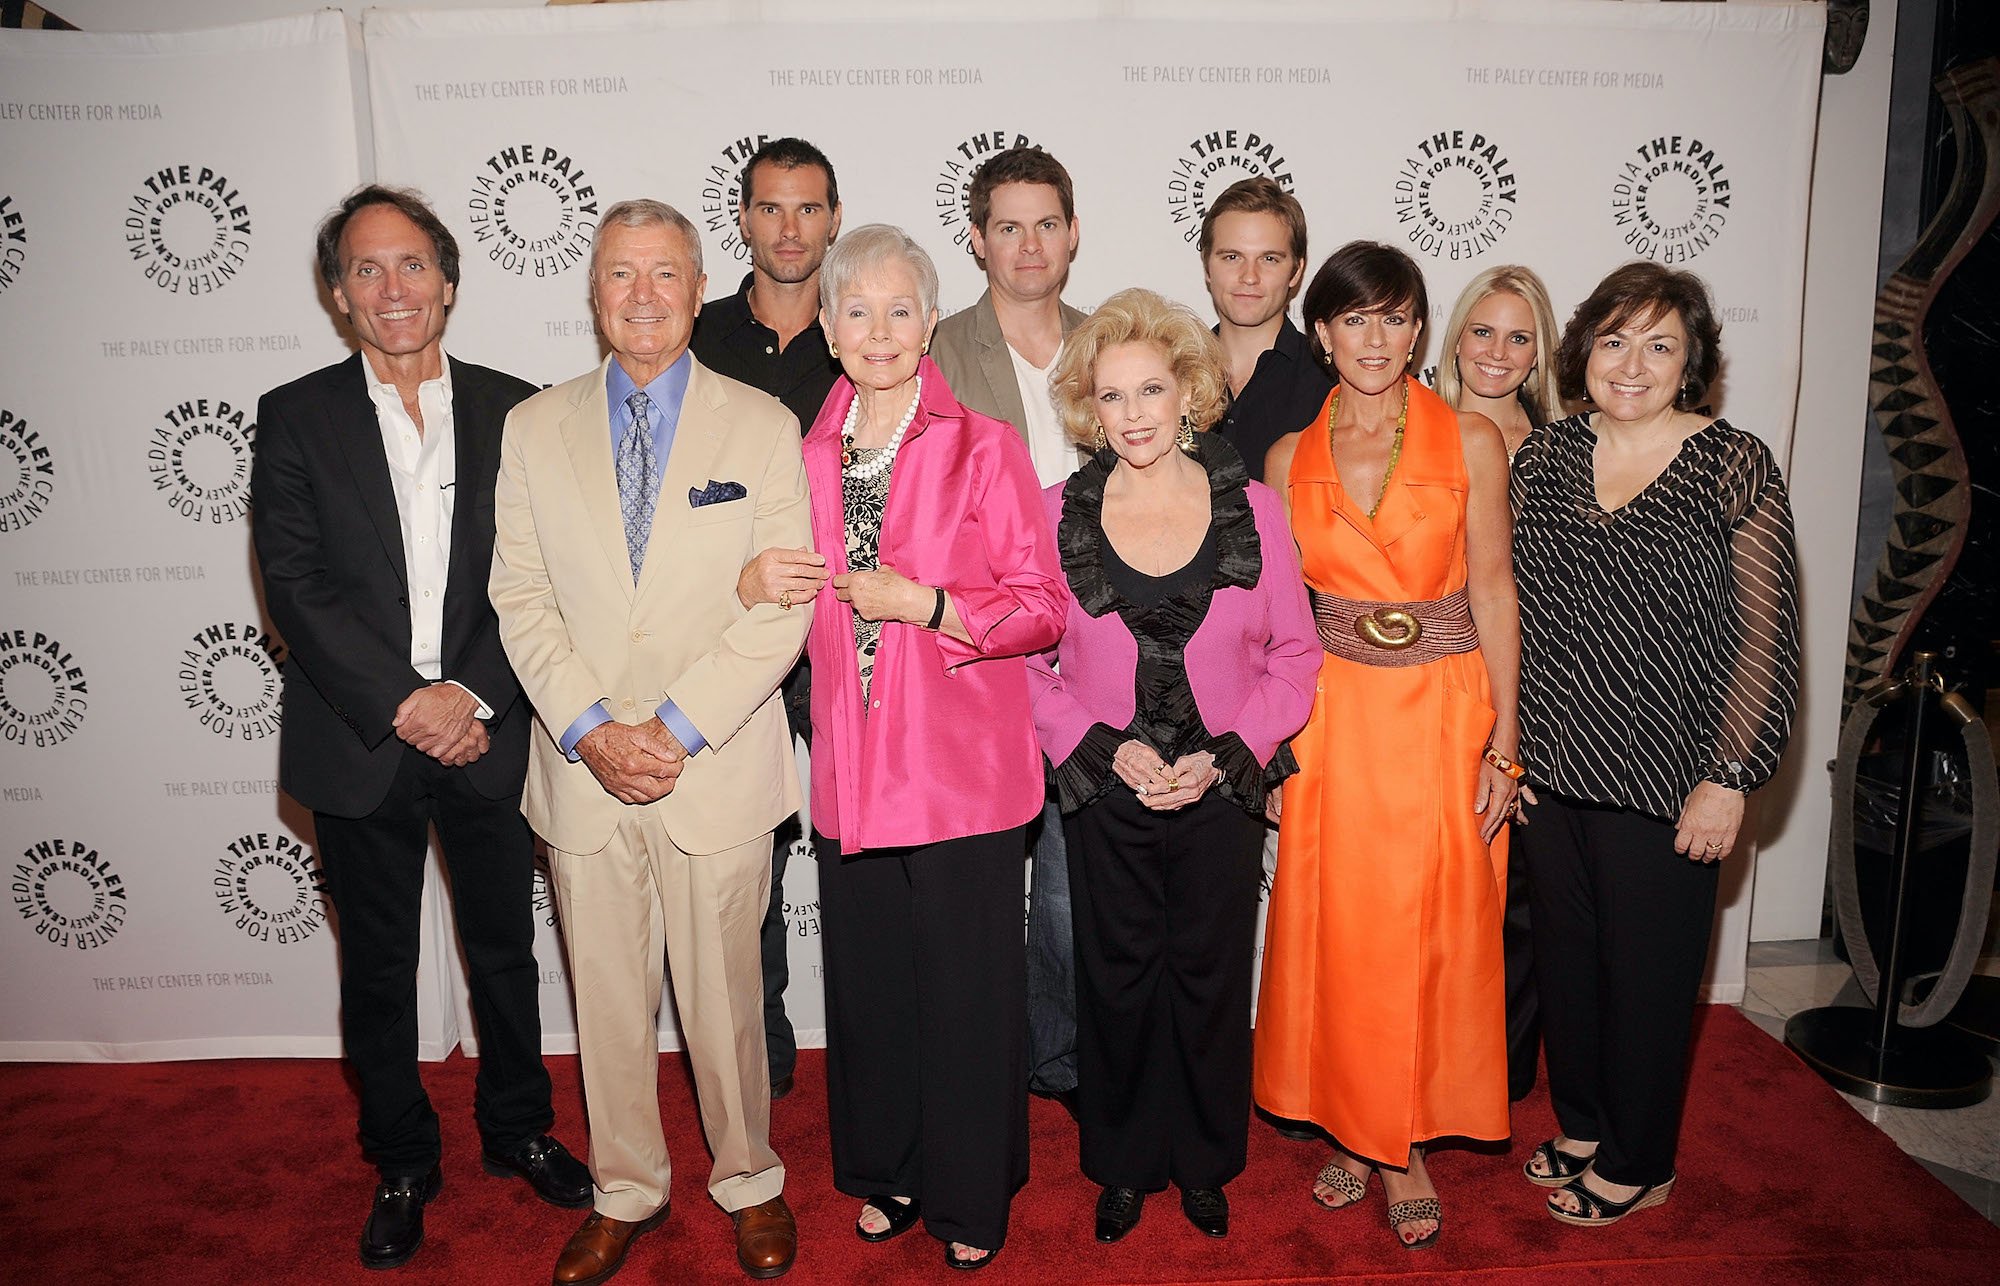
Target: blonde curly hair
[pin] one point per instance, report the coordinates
(1139, 316)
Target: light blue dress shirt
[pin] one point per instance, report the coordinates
(666, 391)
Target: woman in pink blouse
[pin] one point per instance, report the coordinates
(1188, 656)
(940, 576)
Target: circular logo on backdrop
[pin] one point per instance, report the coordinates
(43, 694)
(199, 460)
(229, 678)
(1670, 200)
(1209, 164)
(1455, 195)
(27, 473)
(544, 895)
(533, 210)
(13, 240)
(188, 227)
(722, 193)
(271, 888)
(69, 895)
(952, 193)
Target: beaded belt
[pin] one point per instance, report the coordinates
(1394, 634)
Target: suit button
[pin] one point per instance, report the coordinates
(627, 703)
(638, 636)
(402, 602)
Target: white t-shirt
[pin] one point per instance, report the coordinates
(1050, 448)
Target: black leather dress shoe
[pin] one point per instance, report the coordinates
(395, 1226)
(1207, 1209)
(1118, 1211)
(557, 1177)
(781, 1086)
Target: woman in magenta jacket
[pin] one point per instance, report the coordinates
(936, 574)
(1187, 658)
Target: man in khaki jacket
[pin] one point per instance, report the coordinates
(627, 501)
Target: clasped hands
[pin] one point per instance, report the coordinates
(1161, 786)
(635, 764)
(792, 576)
(442, 720)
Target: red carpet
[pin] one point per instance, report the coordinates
(247, 1172)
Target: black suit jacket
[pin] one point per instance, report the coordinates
(330, 543)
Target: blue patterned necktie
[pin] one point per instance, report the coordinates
(638, 482)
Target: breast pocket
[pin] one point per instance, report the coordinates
(721, 511)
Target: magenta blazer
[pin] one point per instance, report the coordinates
(1253, 662)
(947, 747)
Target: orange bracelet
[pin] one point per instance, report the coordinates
(1504, 764)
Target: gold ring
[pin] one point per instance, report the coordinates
(785, 599)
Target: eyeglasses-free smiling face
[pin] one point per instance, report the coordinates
(1634, 371)
(879, 327)
(646, 293)
(1372, 349)
(1139, 402)
(1496, 350)
(390, 287)
(1027, 243)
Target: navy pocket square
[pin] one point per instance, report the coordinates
(715, 493)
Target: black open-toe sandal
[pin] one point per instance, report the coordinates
(1595, 1211)
(1563, 1166)
(900, 1214)
(968, 1265)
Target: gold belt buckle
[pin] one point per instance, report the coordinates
(1390, 628)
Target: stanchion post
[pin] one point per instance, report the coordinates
(1888, 996)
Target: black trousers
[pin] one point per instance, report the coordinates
(1621, 925)
(1524, 1024)
(926, 1017)
(1165, 907)
(375, 873)
(775, 939)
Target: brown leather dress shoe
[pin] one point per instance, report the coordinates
(597, 1249)
(767, 1240)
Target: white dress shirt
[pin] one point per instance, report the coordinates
(1049, 447)
(423, 470)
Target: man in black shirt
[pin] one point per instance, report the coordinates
(768, 335)
(1253, 256)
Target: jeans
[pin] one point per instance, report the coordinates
(1051, 961)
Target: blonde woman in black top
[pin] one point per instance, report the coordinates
(1659, 674)
(1500, 360)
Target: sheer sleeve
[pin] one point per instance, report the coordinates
(1755, 708)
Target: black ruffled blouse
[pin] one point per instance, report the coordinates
(1162, 612)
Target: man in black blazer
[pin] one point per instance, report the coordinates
(372, 512)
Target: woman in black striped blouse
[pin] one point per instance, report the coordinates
(1659, 673)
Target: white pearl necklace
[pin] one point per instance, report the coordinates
(863, 472)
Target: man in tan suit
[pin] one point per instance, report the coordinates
(628, 499)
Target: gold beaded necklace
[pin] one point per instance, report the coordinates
(1395, 445)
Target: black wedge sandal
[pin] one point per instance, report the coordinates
(1595, 1211)
(1563, 1166)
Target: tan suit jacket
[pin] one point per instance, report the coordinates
(969, 348)
(578, 630)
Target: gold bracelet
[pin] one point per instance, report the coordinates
(1504, 764)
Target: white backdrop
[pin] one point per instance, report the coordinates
(162, 901)
(1565, 134)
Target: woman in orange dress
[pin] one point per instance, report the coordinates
(1381, 1018)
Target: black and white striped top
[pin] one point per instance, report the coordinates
(1660, 641)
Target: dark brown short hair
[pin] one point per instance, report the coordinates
(1363, 277)
(1643, 291)
(1019, 165)
(788, 154)
(444, 246)
(1259, 195)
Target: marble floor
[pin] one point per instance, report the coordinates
(1961, 1146)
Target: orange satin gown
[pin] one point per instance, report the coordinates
(1381, 1016)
